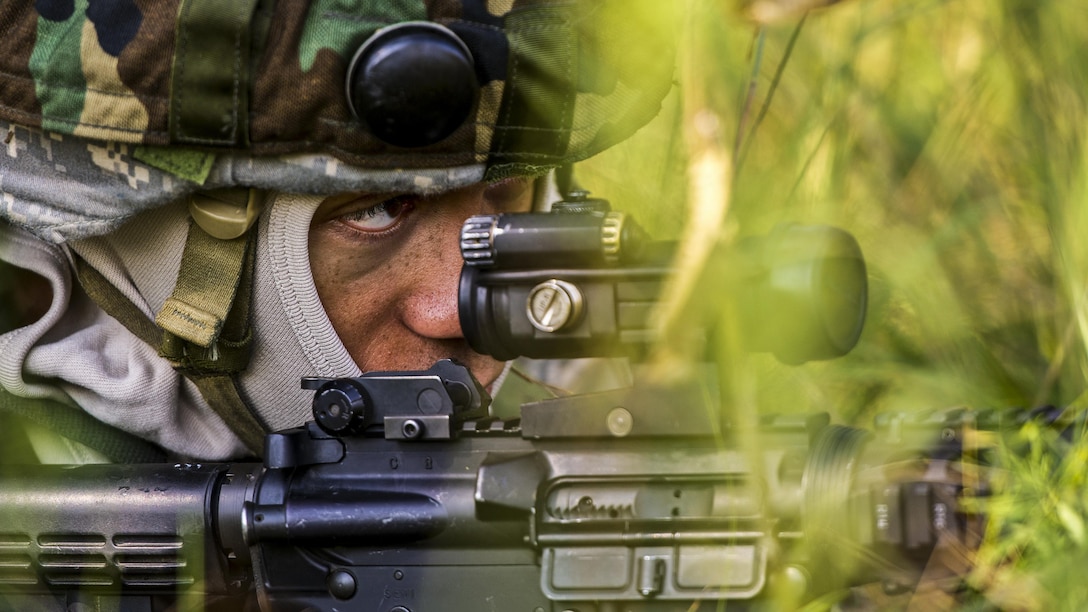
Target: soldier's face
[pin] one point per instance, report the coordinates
(386, 269)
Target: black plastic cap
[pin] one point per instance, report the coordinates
(340, 407)
(413, 84)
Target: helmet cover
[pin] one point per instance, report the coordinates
(113, 107)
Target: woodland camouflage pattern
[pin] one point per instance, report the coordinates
(560, 80)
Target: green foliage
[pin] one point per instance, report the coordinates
(1037, 535)
(949, 138)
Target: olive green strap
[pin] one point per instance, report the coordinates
(204, 293)
(225, 396)
(214, 286)
(80, 426)
(210, 77)
(111, 300)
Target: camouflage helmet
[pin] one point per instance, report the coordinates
(111, 108)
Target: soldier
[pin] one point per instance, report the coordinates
(203, 205)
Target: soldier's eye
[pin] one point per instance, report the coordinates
(380, 217)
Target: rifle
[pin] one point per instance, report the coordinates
(402, 495)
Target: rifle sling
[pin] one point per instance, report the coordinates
(75, 424)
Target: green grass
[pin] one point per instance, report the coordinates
(949, 138)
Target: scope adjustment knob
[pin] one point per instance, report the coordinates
(340, 407)
(554, 305)
(611, 236)
(478, 240)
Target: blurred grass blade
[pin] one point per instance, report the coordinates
(774, 11)
(741, 151)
